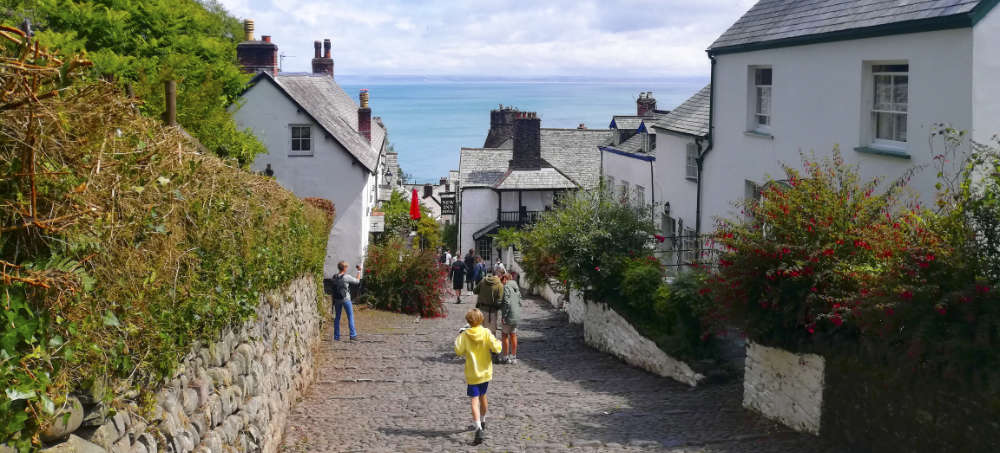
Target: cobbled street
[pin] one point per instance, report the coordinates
(401, 389)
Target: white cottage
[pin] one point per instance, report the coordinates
(320, 143)
(872, 77)
(628, 157)
(511, 184)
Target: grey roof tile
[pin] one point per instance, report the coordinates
(691, 117)
(335, 111)
(543, 178)
(573, 152)
(771, 20)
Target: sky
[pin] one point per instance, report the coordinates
(510, 38)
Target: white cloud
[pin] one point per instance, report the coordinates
(631, 38)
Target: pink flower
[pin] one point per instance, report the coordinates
(836, 320)
(660, 238)
(597, 268)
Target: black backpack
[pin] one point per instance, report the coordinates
(337, 287)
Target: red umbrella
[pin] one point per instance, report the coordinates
(414, 206)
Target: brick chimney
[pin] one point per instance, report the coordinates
(324, 64)
(501, 126)
(646, 104)
(428, 190)
(365, 116)
(257, 56)
(527, 142)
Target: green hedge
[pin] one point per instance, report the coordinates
(138, 247)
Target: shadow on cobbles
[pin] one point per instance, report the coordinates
(634, 407)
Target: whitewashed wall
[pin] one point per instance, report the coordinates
(635, 171)
(330, 173)
(671, 180)
(986, 77)
(784, 386)
(478, 209)
(818, 103)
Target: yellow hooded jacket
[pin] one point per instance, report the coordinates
(475, 344)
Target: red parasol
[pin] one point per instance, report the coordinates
(414, 206)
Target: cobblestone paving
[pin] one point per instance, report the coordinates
(401, 389)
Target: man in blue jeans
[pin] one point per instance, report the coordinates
(337, 286)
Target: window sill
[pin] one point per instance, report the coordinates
(759, 134)
(883, 151)
(293, 154)
(691, 179)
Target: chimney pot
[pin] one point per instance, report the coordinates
(365, 116)
(248, 29)
(582, 126)
(266, 38)
(326, 48)
(317, 49)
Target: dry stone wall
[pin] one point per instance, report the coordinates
(230, 395)
(785, 387)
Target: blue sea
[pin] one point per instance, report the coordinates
(430, 119)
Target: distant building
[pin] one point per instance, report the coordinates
(872, 77)
(436, 198)
(628, 156)
(509, 185)
(320, 142)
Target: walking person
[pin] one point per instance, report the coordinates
(457, 274)
(490, 292)
(337, 286)
(510, 315)
(499, 268)
(478, 272)
(475, 344)
(470, 263)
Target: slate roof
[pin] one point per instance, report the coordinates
(632, 122)
(774, 20)
(573, 152)
(634, 144)
(545, 178)
(691, 117)
(335, 111)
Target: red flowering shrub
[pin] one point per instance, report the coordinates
(404, 280)
(822, 256)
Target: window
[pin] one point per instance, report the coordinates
(610, 184)
(692, 162)
(751, 193)
(625, 190)
(761, 99)
(891, 92)
(484, 248)
(640, 196)
(301, 140)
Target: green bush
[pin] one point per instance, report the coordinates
(398, 278)
(131, 246)
(142, 44)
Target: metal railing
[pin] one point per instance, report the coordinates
(680, 252)
(508, 219)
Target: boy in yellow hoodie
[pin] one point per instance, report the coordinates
(475, 344)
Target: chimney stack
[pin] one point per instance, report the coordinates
(365, 116)
(582, 127)
(428, 190)
(257, 56)
(324, 64)
(501, 126)
(645, 105)
(527, 142)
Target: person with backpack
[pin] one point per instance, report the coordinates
(510, 311)
(490, 292)
(338, 288)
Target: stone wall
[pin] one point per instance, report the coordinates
(576, 307)
(785, 387)
(605, 330)
(230, 395)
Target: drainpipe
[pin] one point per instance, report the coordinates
(652, 192)
(711, 143)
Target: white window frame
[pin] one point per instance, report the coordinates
(640, 196)
(757, 87)
(893, 110)
(609, 182)
(625, 190)
(691, 162)
(292, 140)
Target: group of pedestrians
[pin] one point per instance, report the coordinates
(469, 272)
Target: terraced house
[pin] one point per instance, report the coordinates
(873, 77)
(320, 142)
(520, 172)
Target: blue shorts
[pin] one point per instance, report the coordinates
(478, 389)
